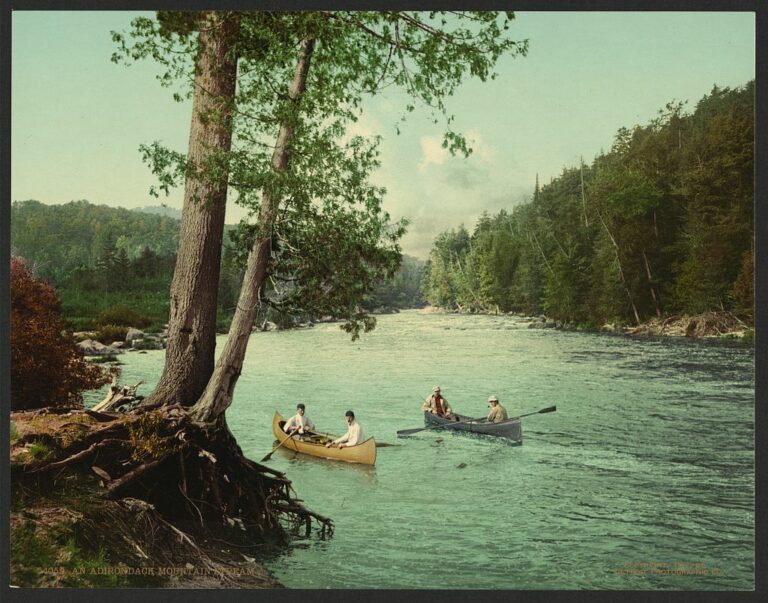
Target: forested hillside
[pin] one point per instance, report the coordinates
(100, 257)
(660, 224)
(59, 238)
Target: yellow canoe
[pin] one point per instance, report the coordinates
(364, 453)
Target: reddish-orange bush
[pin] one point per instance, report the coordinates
(46, 367)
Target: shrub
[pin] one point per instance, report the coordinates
(109, 333)
(39, 451)
(122, 316)
(46, 367)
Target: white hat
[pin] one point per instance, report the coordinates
(493, 399)
(436, 388)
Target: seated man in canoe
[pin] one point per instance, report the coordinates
(353, 436)
(437, 405)
(299, 423)
(498, 413)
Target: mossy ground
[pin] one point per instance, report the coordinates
(45, 553)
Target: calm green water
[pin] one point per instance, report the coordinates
(648, 459)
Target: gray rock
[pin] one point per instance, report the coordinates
(83, 335)
(149, 342)
(91, 347)
(133, 334)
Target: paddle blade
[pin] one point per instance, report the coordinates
(548, 409)
(407, 432)
(266, 458)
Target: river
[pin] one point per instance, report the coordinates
(643, 479)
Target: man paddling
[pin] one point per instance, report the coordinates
(353, 436)
(498, 413)
(437, 405)
(299, 422)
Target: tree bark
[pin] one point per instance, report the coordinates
(649, 274)
(217, 396)
(189, 358)
(583, 193)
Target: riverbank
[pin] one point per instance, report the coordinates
(720, 324)
(69, 529)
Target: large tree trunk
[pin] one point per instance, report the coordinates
(218, 394)
(189, 358)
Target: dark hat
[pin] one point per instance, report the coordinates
(301, 406)
(349, 413)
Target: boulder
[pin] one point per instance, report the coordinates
(83, 335)
(91, 347)
(149, 342)
(133, 334)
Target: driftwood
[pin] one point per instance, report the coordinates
(708, 324)
(119, 397)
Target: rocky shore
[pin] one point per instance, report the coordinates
(720, 324)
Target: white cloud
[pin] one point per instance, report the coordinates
(480, 149)
(432, 152)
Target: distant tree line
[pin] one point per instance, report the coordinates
(403, 290)
(99, 258)
(661, 224)
(58, 239)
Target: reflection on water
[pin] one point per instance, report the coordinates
(648, 459)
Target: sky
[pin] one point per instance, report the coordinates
(78, 119)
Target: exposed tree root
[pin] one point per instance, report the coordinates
(140, 534)
(192, 480)
(186, 470)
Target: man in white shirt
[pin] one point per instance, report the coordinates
(299, 422)
(353, 436)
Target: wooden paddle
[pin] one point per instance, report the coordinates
(266, 458)
(538, 412)
(406, 432)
